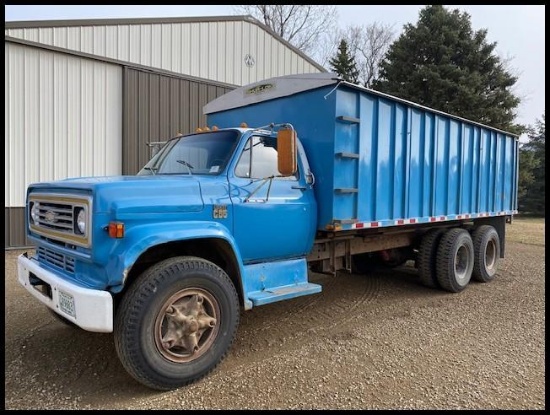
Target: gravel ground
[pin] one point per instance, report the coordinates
(381, 341)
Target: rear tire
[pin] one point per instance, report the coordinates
(176, 322)
(455, 260)
(486, 253)
(427, 255)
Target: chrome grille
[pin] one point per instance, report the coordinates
(56, 216)
(56, 259)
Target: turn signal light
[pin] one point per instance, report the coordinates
(116, 229)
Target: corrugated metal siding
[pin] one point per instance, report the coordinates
(156, 108)
(62, 119)
(214, 50)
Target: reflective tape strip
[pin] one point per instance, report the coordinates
(405, 221)
(360, 225)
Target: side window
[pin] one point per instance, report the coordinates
(259, 159)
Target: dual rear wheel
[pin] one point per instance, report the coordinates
(449, 259)
(486, 253)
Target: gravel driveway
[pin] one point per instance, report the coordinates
(381, 341)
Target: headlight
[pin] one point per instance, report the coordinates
(35, 210)
(81, 220)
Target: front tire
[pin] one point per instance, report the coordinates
(455, 260)
(176, 322)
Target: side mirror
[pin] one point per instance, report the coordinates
(287, 156)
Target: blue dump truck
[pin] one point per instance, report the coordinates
(292, 175)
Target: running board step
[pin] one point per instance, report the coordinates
(283, 293)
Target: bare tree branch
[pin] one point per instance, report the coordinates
(304, 26)
(368, 44)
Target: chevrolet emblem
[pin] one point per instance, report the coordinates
(49, 216)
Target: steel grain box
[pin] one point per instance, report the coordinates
(379, 160)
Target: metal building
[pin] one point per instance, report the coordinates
(85, 97)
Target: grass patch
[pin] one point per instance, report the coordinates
(526, 230)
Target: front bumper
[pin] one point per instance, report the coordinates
(92, 310)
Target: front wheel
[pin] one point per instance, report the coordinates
(176, 322)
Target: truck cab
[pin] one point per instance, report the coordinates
(234, 207)
(243, 188)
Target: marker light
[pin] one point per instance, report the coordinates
(116, 229)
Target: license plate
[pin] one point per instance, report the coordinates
(66, 303)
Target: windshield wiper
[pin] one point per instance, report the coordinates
(186, 164)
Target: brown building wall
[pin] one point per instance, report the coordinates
(157, 107)
(14, 234)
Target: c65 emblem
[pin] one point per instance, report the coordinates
(220, 211)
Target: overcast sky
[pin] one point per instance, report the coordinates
(517, 29)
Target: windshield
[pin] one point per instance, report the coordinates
(204, 153)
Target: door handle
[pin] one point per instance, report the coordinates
(299, 187)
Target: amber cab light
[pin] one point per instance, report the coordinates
(116, 229)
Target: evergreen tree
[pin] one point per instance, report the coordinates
(344, 64)
(443, 64)
(531, 186)
(527, 164)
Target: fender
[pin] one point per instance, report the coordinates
(140, 238)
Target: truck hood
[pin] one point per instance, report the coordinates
(133, 194)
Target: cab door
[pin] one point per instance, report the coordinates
(274, 217)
